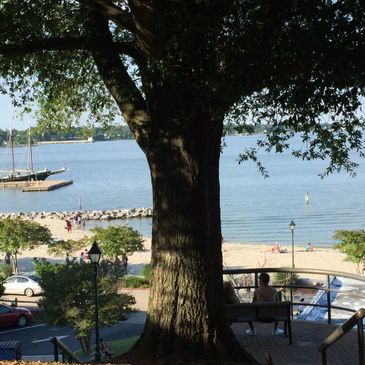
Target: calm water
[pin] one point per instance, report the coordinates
(110, 175)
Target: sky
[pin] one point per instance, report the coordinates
(8, 116)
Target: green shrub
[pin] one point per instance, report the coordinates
(286, 278)
(5, 272)
(146, 271)
(131, 281)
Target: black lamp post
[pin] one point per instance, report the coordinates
(292, 228)
(94, 256)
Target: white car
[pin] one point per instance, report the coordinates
(20, 284)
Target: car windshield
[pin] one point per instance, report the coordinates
(35, 278)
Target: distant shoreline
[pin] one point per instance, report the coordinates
(70, 141)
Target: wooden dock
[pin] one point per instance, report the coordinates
(29, 186)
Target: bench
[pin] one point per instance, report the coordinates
(261, 312)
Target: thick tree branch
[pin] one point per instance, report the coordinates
(117, 80)
(68, 43)
(114, 13)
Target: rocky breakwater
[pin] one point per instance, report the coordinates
(85, 215)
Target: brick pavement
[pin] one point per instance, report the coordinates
(306, 337)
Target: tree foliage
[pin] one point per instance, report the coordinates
(61, 247)
(69, 298)
(18, 234)
(117, 241)
(175, 70)
(352, 244)
(286, 64)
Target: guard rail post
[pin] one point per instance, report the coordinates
(328, 292)
(324, 357)
(55, 349)
(360, 339)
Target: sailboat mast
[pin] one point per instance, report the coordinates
(11, 145)
(30, 153)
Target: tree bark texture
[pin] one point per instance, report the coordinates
(178, 125)
(186, 307)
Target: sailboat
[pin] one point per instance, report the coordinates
(29, 174)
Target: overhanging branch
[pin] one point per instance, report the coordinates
(118, 81)
(68, 43)
(110, 11)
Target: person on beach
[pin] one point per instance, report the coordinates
(104, 349)
(124, 263)
(68, 226)
(265, 293)
(276, 248)
(7, 258)
(308, 247)
(78, 220)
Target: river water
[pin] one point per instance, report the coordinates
(111, 175)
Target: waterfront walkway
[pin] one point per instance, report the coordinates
(306, 338)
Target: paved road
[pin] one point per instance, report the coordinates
(35, 339)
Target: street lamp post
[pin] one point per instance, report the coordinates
(292, 228)
(94, 256)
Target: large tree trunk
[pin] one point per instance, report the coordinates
(186, 316)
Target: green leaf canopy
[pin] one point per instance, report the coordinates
(117, 241)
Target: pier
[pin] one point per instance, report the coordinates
(29, 186)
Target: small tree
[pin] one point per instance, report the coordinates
(18, 234)
(118, 241)
(69, 299)
(352, 244)
(63, 247)
(5, 272)
(285, 279)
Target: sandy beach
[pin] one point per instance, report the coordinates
(234, 254)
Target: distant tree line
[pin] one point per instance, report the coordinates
(74, 133)
(116, 132)
(232, 127)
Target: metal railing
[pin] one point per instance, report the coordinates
(326, 288)
(356, 320)
(59, 348)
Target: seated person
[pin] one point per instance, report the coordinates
(265, 293)
(308, 247)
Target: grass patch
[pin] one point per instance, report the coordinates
(146, 271)
(117, 347)
(132, 281)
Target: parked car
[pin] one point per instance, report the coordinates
(20, 284)
(14, 316)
